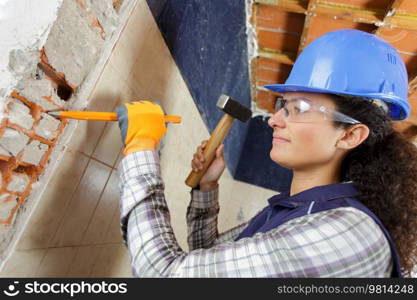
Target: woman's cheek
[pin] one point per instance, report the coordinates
(310, 145)
(316, 145)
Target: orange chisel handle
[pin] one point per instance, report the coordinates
(101, 116)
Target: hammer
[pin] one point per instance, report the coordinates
(233, 110)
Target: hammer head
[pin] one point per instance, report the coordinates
(234, 108)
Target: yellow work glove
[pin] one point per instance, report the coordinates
(142, 124)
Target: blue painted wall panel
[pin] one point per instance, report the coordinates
(208, 41)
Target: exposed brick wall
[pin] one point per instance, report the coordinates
(51, 79)
(28, 136)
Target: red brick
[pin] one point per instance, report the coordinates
(7, 205)
(278, 41)
(272, 17)
(323, 24)
(265, 100)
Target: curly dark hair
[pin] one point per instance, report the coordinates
(384, 169)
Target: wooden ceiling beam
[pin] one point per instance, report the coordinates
(283, 57)
(389, 15)
(412, 83)
(312, 6)
(287, 5)
(349, 12)
(336, 10)
(393, 18)
(378, 17)
(404, 22)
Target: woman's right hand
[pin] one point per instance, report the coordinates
(214, 171)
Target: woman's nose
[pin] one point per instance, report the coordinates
(277, 119)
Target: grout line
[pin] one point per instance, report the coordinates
(75, 152)
(68, 203)
(101, 162)
(74, 246)
(96, 260)
(116, 211)
(59, 225)
(123, 74)
(41, 262)
(133, 65)
(99, 139)
(72, 261)
(100, 254)
(95, 208)
(115, 165)
(151, 30)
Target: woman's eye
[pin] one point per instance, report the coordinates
(299, 110)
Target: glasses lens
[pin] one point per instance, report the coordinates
(280, 103)
(302, 111)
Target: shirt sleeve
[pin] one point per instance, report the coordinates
(342, 242)
(202, 221)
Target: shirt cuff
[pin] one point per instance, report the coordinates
(140, 162)
(204, 200)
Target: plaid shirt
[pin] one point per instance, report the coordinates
(341, 242)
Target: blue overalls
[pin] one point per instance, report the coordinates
(283, 207)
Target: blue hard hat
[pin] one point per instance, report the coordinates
(351, 62)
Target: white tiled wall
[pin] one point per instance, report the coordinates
(74, 231)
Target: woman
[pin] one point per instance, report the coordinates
(351, 209)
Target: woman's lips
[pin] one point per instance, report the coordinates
(279, 140)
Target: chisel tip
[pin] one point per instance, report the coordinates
(54, 113)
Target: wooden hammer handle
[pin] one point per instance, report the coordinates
(216, 138)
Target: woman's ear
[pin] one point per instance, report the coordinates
(353, 137)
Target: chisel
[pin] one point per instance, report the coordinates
(100, 116)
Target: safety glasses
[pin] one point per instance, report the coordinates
(301, 110)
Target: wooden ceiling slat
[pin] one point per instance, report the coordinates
(401, 18)
(281, 57)
(312, 5)
(381, 4)
(409, 6)
(389, 15)
(412, 84)
(405, 22)
(350, 13)
(287, 5)
(274, 17)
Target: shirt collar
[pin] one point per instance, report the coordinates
(318, 193)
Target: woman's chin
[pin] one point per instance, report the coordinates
(277, 158)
